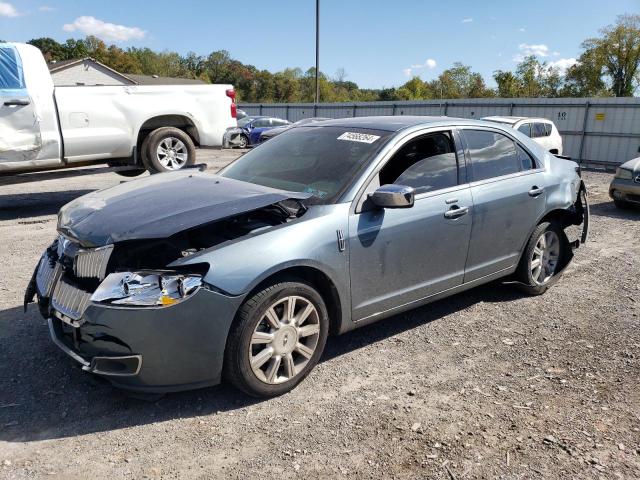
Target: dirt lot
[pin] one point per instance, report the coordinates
(486, 384)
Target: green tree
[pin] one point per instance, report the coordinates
(51, 50)
(618, 52)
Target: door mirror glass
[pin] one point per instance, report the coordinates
(393, 196)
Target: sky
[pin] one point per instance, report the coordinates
(378, 43)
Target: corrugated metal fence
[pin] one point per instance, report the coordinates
(595, 131)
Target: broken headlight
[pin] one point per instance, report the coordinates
(146, 289)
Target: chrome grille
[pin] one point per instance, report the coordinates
(46, 276)
(69, 300)
(92, 263)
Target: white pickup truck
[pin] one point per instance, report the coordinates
(153, 128)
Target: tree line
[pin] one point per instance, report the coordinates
(607, 66)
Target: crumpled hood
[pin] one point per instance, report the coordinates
(161, 205)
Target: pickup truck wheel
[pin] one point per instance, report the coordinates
(169, 149)
(543, 255)
(276, 340)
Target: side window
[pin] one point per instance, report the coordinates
(547, 129)
(539, 130)
(11, 77)
(525, 128)
(276, 122)
(261, 122)
(427, 163)
(492, 154)
(526, 162)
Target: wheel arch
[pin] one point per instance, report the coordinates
(180, 121)
(316, 278)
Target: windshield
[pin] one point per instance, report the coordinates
(317, 160)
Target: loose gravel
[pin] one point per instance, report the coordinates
(485, 384)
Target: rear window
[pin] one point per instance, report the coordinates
(11, 77)
(492, 154)
(539, 130)
(525, 128)
(548, 128)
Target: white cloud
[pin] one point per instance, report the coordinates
(563, 64)
(539, 50)
(8, 10)
(467, 20)
(522, 29)
(430, 63)
(104, 30)
(46, 8)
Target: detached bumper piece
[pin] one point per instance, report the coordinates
(119, 366)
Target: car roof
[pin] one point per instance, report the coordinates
(393, 123)
(513, 120)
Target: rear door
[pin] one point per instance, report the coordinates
(20, 139)
(508, 189)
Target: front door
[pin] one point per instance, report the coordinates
(20, 139)
(399, 256)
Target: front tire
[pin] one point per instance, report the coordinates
(168, 149)
(276, 340)
(543, 255)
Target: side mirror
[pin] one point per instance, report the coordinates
(393, 196)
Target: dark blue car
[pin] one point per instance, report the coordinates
(252, 127)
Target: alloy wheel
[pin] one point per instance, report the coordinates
(545, 257)
(284, 340)
(172, 153)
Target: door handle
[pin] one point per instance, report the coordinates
(535, 191)
(20, 102)
(456, 212)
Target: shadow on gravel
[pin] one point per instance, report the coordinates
(608, 209)
(35, 204)
(43, 395)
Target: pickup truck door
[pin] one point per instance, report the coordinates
(20, 138)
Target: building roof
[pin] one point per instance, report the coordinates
(156, 80)
(57, 66)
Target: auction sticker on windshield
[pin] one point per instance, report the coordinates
(358, 137)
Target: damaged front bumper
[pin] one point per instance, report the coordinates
(231, 137)
(625, 190)
(147, 348)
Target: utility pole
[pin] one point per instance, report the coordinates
(317, 51)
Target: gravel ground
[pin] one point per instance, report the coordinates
(486, 384)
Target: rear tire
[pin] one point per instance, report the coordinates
(276, 339)
(542, 257)
(168, 149)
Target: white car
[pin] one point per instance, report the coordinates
(153, 128)
(540, 130)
